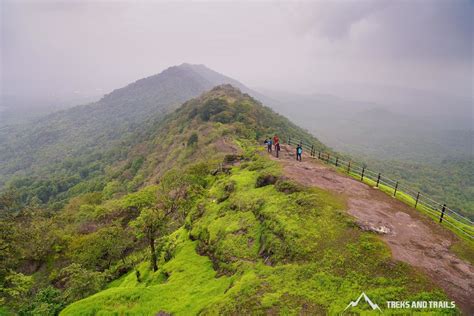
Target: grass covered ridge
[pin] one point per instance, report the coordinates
(277, 248)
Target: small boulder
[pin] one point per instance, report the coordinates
(379, 229)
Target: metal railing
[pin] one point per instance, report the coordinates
(417, 199)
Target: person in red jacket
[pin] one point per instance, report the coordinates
(276, 143)
(276, 140)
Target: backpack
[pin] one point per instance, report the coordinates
(299, 150)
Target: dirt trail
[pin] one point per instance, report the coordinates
(412, 237)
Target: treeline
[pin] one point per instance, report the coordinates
(450, 181)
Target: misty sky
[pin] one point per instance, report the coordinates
(96, 46)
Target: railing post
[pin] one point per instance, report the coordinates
(289, 140)
(349, 167)
(328, 158)
(337, 160)
(417, 197)
(442, 213)
(378, 181)
(362, 174)
(312, 148)
(396, 188)
(319, 155)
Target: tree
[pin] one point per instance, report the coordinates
(47, 301)
(149, 225)
(173, 193)
(37, 238)
(98, 250)
(170, 198)
(80, 282)
(15, 289)
(9, 202)
(9, 252)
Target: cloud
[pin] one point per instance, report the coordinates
(333, 20)
(434, 30)
(51, 46)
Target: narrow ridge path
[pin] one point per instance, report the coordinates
(412, 237)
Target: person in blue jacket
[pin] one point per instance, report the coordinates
(269, 144)
(299, 152)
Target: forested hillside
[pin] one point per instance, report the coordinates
(69, 151)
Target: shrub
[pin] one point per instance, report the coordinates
(287, 186)
(231, 158)
(230, 186)
(265, 179)
(212, 107)
(224, 117)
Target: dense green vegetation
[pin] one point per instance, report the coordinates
(191, 217)
(99, 228)
(450, 181)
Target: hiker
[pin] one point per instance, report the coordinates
(299, 151)
(276, 140)
(269, 144)
(276, 143)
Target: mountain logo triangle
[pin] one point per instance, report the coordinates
(367, 299)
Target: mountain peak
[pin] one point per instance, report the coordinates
(184, 80)
(185, 67)
(193, 66)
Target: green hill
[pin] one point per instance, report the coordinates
(195, 219)
(69, 148)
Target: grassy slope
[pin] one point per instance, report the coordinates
(260, 250)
